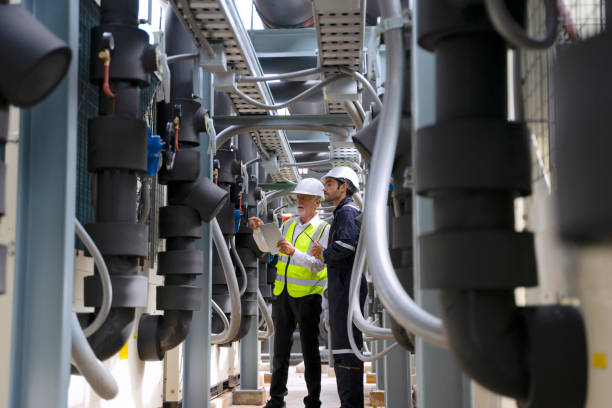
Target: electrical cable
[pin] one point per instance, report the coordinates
(252, 161)
(362, 324)
(291, 101)
(288, 75)
(107, 286)
(512, 32)
(261, 335)
(366, 84)
(393, 296)
(182, 57)
(359, 107)
(240, 265)
(217, 309)
(86, 362)
(351, 110)
(232, 284)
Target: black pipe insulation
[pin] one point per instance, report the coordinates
(473, 163)
(191, 200)
(117, 155)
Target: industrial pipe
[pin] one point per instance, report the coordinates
(473, 163)
(285, 13)
(390, 290)
(116, 160)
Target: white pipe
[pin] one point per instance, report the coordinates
(393, 296)
(107, 287)
(84, 359)
(232, 283)
(353, 114)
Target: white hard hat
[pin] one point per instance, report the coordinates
(343, 172)
(309, 186)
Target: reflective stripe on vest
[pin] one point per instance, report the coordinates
(300, 280)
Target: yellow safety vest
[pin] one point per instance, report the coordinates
(300, 281)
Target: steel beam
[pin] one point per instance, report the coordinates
(41, 338)
(436, 368)
(397, 374)
(196, 358)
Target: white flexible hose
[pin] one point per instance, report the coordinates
(393, 296)
(219, 312)
(84, 359)
(107, 287)
(232, 283)
(261, 335)
(240, 265)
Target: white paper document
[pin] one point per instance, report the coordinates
(269, 235)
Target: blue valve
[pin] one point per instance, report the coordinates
(237, 217)
(391, 183)
(154, 145)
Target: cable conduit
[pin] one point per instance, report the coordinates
(395, 299)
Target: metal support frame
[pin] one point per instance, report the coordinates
(436, 369)
(397, 374)
(249, 352)
(196, 356)
(41, 339)
(302, 120)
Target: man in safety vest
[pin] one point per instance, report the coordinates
(300, 281)
(340, 184)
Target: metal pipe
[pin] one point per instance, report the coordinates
(232, 284)
(107, 286)
(390, 290)
(84, 359)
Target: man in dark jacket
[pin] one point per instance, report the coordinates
(340, 184)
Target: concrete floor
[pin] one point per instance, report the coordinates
(297, 392)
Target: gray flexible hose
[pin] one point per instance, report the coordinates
(232, 283)
(353, 114)
(291, 101)
(217, 309)
(261, 335)
(315, 163)
(84, 359)
(182, 57)
(231, 131)
(240, 265)
(393, 296)
(288, 75)
(362, 324)
(107, 287)
(360, 110)
(512, 32)
(366, 84)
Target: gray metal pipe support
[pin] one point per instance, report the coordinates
(393, 296)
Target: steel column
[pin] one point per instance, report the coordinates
(436, 369)
(196, 357)
(40, 363)
(397, 374)
(249, 352)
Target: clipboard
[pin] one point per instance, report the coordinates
(271, 235)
